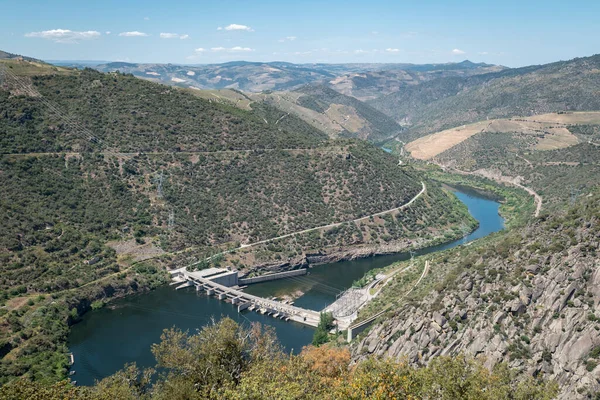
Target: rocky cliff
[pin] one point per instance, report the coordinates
(529, 298)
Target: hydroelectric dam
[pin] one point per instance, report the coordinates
(223, 284)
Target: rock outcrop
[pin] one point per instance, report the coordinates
(531, 298)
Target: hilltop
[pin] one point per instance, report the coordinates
(374, 83)
(358, 80)
(6, 55)
(452, 101)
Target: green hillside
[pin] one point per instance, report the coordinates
(319, 98)
(108, 178)
(452, 101)
(154, 118)
(527, 297)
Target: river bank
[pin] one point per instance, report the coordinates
(108, 338)
(464, 225)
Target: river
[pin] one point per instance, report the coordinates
(123, 332)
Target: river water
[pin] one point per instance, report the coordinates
(108, 338)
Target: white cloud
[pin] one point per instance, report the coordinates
(200, 50)
(133, 34)
(409, 34)
(458, 52)
(360, 51)
(390, 50)
(238, 48)
(107, 32)
(235, 49)
(236, 27)
(288, 39)
(64, 35)
(483, 53)
(174, 36)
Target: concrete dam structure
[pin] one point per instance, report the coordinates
(222, 283)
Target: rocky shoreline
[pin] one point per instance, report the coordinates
(333, 255)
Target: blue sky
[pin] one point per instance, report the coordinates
(512, 33)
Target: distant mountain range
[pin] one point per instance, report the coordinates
(420, 98)
(364, 81)
(448, 102)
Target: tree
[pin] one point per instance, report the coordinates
(26, 389)
(321, 334)
(215, 357)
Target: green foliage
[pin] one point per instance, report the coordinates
(321, 335)
(98, 304)
(155, 117)
(224, 361)
(65, 201)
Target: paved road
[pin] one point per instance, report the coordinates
(246, 245)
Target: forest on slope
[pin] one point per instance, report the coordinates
(229, 361)
(451, 101)
(106, 176)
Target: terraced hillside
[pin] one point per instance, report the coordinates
(539, 132)
(332, 112)
(338, 115)
(556, 155)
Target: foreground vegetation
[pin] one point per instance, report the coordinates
(226, 361)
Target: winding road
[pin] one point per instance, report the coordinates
(247, 245)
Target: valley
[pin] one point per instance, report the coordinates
(456, 203)
(162, 308)
(191, 181)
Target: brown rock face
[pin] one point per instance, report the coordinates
(531, 300)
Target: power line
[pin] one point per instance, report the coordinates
(171, 222)
(76, 127)
(159, 193)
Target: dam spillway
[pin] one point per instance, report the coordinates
(217, 282)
